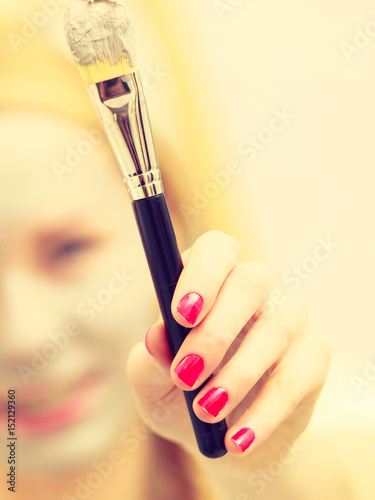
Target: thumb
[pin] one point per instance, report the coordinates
(161, 404)
(148, 366)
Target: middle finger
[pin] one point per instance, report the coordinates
(243, 292)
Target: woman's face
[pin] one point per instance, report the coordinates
(75, 293)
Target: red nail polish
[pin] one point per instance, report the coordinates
(244, 438)
(214, 401)
(190, 307)
(189, 369)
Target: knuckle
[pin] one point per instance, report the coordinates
(293, 318)
(200, 273)
(253, 278)
(323, 355)
(289, 390)
(216, 336)
(300, 310)
(268, 427)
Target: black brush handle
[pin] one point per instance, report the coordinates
(164, 260)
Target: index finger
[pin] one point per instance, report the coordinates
(211, 259)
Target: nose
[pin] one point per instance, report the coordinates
(31, 312)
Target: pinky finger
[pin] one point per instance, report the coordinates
(298, 378)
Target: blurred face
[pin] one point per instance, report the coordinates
(75, 293)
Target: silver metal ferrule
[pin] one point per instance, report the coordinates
(121, 106)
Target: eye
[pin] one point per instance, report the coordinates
(69, 250)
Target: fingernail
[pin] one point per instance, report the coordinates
(190, 307)
(214, 401)
(146, 344)
(189, 369)
(244, 438)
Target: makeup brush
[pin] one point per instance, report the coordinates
(101, 37)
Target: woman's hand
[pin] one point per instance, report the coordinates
(269, 366)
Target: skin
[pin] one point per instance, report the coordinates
(64, 239)
(273, 374)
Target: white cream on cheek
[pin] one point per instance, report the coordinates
(46, 305)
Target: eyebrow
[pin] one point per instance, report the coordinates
(59, 224)
(69, 226)
(44, 232)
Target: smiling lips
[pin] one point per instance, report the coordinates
(41, 411)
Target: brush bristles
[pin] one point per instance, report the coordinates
(104, 70)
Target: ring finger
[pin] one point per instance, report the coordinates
(265, 344)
